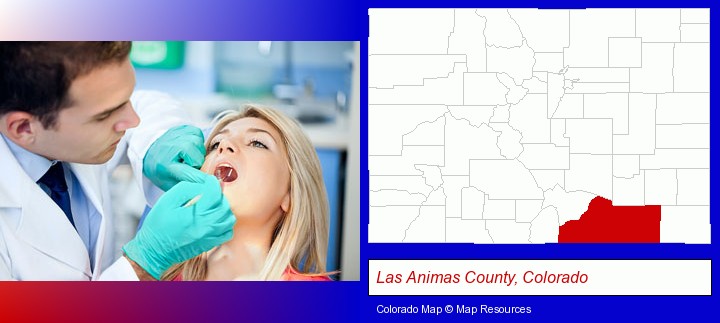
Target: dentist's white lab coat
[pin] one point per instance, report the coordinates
(36, 240)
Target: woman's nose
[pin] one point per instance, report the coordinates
(226, 147)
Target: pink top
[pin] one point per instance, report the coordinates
(290, 274)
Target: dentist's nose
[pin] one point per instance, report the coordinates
(128, 119)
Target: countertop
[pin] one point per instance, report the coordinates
(329, 135)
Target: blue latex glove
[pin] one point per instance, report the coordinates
(174, 157)
(174, 232)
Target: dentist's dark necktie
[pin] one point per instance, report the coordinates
(54, 180)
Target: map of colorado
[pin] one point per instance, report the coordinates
(539, 126)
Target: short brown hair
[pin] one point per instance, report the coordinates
(35, 77)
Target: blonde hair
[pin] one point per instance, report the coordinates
(302, 233)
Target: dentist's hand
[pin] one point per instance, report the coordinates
(175, 157)
(173, 232)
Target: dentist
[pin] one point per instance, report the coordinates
(68, 116)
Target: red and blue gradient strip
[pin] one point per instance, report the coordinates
(180, 20)
(177, 301)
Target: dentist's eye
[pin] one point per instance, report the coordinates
(102, 117)
(258, 144)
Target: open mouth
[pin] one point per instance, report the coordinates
(225, 173)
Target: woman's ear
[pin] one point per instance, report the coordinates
(285, 205)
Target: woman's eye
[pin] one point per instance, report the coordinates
(214, 145)
(258, 144)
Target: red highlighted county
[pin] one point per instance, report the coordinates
(603, 222)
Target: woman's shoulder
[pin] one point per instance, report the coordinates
(291, 274)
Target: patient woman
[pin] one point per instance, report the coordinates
(270, 175)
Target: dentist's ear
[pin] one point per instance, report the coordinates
(19, 127)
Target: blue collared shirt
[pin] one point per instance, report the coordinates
(87, 219)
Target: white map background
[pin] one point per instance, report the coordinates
(498, 126)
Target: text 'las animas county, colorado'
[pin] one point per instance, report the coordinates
(472, 277)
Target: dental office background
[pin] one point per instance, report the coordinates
(315, 82)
